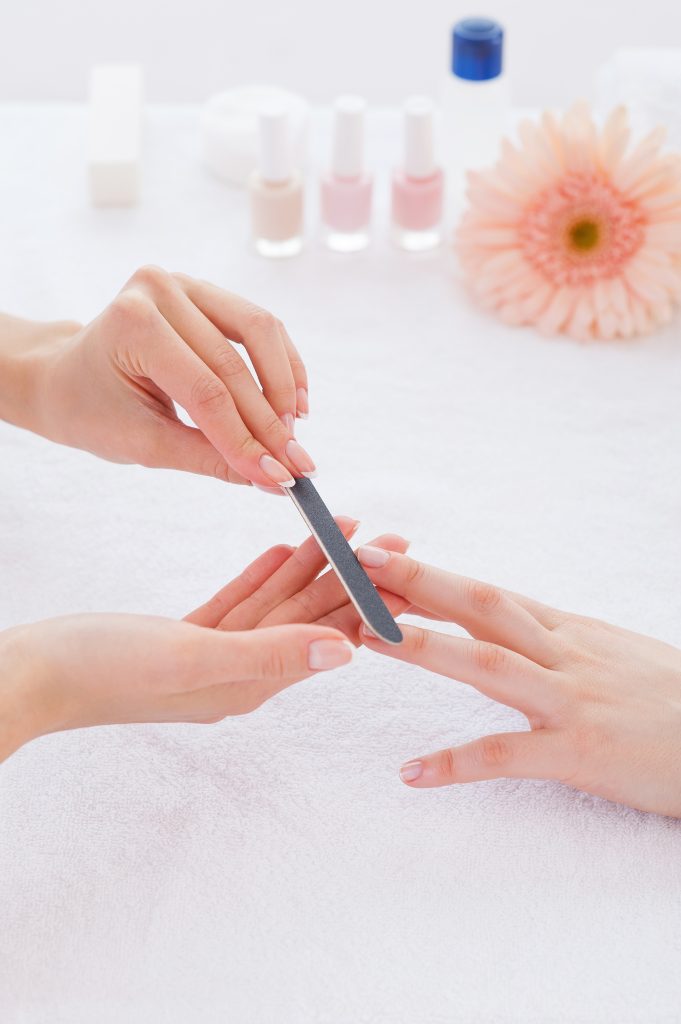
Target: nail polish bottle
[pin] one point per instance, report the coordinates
(276, 189)
(346, 188)
(418, 186)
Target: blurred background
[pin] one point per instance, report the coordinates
(383, 49)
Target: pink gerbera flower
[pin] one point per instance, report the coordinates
(575, 231)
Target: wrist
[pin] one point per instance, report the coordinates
(27, 349)
(19, 713)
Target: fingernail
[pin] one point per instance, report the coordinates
(324, 654)
(268, 490)
(303, 403)
(275, 471)
(372, 557)
(347, 525)
(365, 631)
(289, 421)
(300, 459)
(411, 770)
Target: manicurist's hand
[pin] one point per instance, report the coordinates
(603, 704)
(86, 670)
(109, 387)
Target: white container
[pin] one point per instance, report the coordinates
(475, 102)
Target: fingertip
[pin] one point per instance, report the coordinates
(411, 771)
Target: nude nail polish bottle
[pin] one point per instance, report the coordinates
(346, 189)
(418, 186)
(276, 189)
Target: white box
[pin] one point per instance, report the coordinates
(115, 134)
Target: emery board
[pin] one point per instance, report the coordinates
(344, 562)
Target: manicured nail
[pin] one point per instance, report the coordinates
(303, 403)
(289, 421)
(300, 459)
(269, 490)
(348, 525)
(365, 631)
(325, 654)
(372, 557)
(275, 471)
(411, 770)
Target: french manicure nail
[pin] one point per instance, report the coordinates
(299, 457)
(275, 471)
(325, 654)
(303, 403)
(411, 770)
(372, 557)
(289, 421)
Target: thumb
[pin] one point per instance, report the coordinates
(177, 446)
(281, 655)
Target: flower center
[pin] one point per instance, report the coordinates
(584, 235)
(580, 230)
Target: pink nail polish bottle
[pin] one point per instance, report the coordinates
(418, 186)
(276, 189)
(346, 189)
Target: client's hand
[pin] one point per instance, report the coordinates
(603, 704)
(109, 387)
(86, 670)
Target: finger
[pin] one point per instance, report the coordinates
(325, 594)
(262, 419)
(495, 671)
(486, 612)
(348, 621)
(299, 377)
(518, 755)
(233, 673)
(304, 564)
(175, 368)
(240, 588)
(177, 446)
(261, 334)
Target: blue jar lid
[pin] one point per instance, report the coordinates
(477, 45)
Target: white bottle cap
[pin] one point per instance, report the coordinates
(419, 150)
(276, 162)
(348, 137)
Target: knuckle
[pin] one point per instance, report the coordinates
(152, 278)
(488, 657)
(493, 752)
(272, 663)
(446, 766)
(228, 363)
(207, 392)
(420, 640)
(482, 597)
(415, 571)
(261, 321)
(131, 310)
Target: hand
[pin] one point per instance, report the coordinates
(109, 387)
(603, 704)
(87, 670)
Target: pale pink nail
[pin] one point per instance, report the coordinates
(325, 654)
(275, 471)
(288, 419)
(300, 459)
(372, 557)
(303, 403)
(411, 770)
(365, 631)
(269, 490)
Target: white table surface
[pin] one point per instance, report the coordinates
(272, 868)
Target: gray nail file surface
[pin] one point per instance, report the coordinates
(342, 558)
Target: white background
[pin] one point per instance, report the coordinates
(382, 48)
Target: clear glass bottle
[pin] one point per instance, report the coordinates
(346, 189)
(418, 186)
(276, 190)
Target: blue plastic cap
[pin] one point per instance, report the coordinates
(477, 45)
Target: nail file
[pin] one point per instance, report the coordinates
(343, 560)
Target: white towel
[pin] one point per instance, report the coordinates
(272, 869)
(647, 80)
